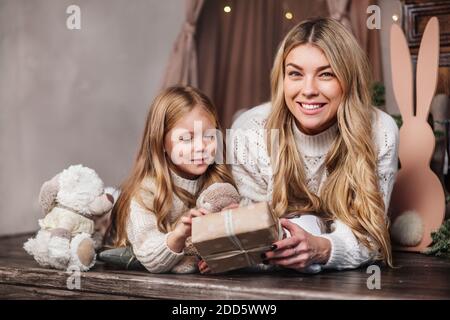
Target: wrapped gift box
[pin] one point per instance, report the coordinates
(235, 238)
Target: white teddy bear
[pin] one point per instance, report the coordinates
(71, 201)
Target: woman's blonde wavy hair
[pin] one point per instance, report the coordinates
(151, 161)
(351, 192)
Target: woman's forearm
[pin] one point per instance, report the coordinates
(346, 251)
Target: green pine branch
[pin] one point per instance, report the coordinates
(441, 241)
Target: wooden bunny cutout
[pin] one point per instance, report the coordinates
(417, 190)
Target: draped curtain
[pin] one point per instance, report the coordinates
(368, 39)
(339, 10)
(182, 67)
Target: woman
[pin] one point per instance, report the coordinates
(334, 155)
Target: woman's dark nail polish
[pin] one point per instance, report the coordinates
(274, 247)
(263, 255)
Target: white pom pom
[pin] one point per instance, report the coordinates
(407, 229)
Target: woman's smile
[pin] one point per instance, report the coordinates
(311, 108)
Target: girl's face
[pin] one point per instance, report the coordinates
(311, 90)
(191, 143)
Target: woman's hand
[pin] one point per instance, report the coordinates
(299, 250)
(203, 267)
(177, 238)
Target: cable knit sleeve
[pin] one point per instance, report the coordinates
(250, 163)
(149, 244)
(346, 251)
(387, 143)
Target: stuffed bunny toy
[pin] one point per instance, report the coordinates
(418, 203)
(70, 201)
(215, 198)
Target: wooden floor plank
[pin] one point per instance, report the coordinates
(11, 292)
(417, 277)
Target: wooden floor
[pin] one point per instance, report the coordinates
(417, 277)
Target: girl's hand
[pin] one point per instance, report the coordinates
(184, 227)
(299, 250)
(177, 238)
(203, 267)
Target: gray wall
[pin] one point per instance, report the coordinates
(75, 96)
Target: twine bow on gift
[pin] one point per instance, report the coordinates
(229, 229)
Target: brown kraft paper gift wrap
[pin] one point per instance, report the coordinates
(235, 238)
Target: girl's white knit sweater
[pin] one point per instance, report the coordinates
(148, 243)
(253, 173)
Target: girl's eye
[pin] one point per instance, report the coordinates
(185, 138)
(210, 137)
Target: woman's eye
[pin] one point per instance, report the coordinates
(294, 73)
(210, 137)
(327, 75)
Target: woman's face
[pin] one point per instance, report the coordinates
(311, 90)
(191, 143)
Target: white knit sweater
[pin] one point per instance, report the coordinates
(148, 243)
(253, 173)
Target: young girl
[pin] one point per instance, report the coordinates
(176, 161)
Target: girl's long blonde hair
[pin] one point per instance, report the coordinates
(151, 161)
(351, 192)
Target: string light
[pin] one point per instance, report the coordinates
(289, 15)
(395, 18)
(227, 9)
